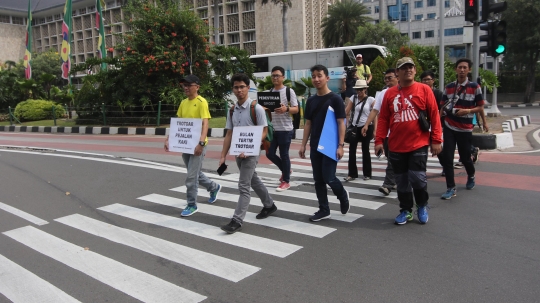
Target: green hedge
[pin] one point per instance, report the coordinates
(34, 110)
(516, 84)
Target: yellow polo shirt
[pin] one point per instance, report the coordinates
(194, 109)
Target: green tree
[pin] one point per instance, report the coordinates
(342, 22)
(43, 63)
(382, 33)
(285, 5)
(10, 93)
(266, 83)
(524, 38)
(378, 67)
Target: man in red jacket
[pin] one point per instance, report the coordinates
(408, 143)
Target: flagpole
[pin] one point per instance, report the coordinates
(100, 4)
(28, 52)
(65, 52)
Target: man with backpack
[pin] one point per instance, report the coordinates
(283, 127)
(246, 112)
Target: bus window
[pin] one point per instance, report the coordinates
(304, 61)
(368, 54)
(261, 64)
(284, 61)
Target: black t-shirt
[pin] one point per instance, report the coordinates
(317, 122)
(349, 84)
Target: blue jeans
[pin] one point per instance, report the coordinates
(195, 177)
(324, 172)
(282, 139)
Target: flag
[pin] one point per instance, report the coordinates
(100, 5)
(28, 52)
(65, 52)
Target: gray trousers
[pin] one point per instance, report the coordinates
(389, 177)
(248, 179)
(195, 177)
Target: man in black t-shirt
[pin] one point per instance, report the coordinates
(324, 168)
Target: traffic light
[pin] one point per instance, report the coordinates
(471, 10)
(499, 38)
(488, 8)
(495, 38)
(488, 49)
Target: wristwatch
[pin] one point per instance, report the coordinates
(202, 143)
(342, 144)
(287, 109)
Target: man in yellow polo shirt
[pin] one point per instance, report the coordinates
(362, 71)
(195, 107)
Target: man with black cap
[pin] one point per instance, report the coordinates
(195, 107)
(403, 109)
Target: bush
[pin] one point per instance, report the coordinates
(34, 110)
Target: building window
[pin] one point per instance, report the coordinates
(49, 18)
(58, 17)
(431, 3)
(418, 17)
(447, 3)
(394, 12)
(431, 15)
(92, 9)
(17, 20)
(203, 13)
(417, 35)
(110, 4)
(4, 19)
(82, 11)
(234, 38)
(429, 34)
(249, 6)
(458, 31)
(489, 65)
(249, 37)
(74, 13)
(220, 9)
(419, 4)
(369, 9)
(233, 9)
(377, 9)
(41, 20)
(457, 52)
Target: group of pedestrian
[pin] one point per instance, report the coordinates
(408, 120)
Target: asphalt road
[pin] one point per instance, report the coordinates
(482, 246)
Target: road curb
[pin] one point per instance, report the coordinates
(516, 105)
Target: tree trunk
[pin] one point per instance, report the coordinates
(216, 22)
(285, 27)
(529, 89)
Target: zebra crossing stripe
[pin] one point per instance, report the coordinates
(131, 281)
(283, 206)
(309, 196)
(21, 285)
(346, 172)
(374, 161)
(272, 221)
(215, 265)
(22, 214)
(243, 240)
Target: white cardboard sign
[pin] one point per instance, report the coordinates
(246, 140)
(184, 135)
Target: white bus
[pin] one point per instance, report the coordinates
(298, 63)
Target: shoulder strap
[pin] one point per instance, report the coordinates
(361, 109)
(231, 111)
(252, 112)
(288, 93)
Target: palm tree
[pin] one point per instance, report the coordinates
(341, 24)
(285, 4)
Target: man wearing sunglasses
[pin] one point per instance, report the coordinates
(196, 107)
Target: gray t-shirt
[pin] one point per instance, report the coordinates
(242, 115)
(283, 122)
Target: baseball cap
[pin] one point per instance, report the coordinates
(191, 79)
(359, 56)
(403, 61)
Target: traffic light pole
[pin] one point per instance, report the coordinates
(476, 51)
(441, 46)
(494, 111)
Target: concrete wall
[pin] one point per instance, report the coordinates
(511, 97)
(13, 39)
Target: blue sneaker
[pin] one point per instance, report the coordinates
(403, 217)
(214, 194)
(451, 192)
(189, 210)
(470, 183)
(422, 213)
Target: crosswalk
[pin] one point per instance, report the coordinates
(19, 284)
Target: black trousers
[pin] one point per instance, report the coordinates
(463, 140)
(366, 156)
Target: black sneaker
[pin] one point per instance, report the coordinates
(475, 155)
(385, 190)
(318, 216)
(232, 227)
(458, 165)
(266, 211)
(344, 205)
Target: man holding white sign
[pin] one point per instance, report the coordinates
(241, 117)
(186, 130)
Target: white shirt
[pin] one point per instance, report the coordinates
(365, 111)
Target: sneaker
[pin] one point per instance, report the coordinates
(214, 194)
(283, 186)
(451, 192)
(367, 178)
(422, 213)
(232, 227)
(403, 217)
(189, 210)
(345, 206)
(458, 165)
(281, 178)
(443, 173)
(385, 190)
(266, 211)
(318, 216)
(475, 155)
(470, 183)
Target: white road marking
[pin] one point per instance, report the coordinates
(22, 214)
